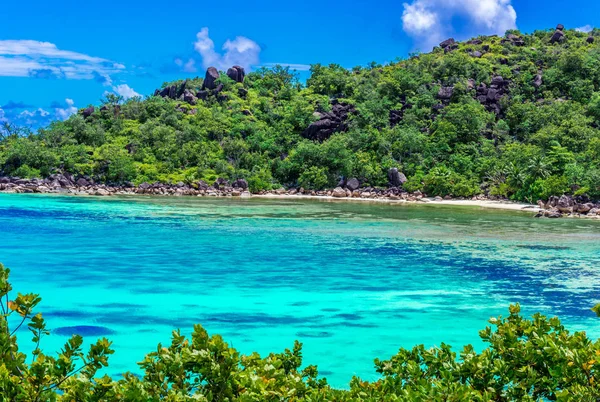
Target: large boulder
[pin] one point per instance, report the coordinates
(87, 112)
(396, 178)
(565, 204)
(212, 75)
(189, 97)
(236, 73)
(447, 43)
(352, 184)
(339, 192)
(590, 39)
(538, 81)
(560, 27)
(240, 183)
(445, 93)
(558, 36)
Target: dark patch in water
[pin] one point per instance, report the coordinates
(330, 310)
(300, 304)
(541, 247)
(314, 334)
(84, 330)
(348, 316)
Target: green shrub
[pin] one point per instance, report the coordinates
(314, 178)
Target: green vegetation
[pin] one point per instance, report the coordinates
(532, 134)
(525, 360)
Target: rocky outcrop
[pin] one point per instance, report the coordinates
(490, 96)
(513, 39)
(329, 123)
(449, 45)
(87, 112)
(210, 79)
(236, 73)
(590, 39)
(566, 205)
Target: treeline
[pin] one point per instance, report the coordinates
(514, 116)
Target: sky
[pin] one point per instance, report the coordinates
(59, 56)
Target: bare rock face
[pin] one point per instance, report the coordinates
(236, 73)
(449, 45)
(212, 75)
(560, 27)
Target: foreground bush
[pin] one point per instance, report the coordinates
(525, 360)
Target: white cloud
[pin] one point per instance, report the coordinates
(125, 91)
(292, 66)
(430, 21)
(585, 28)
(67, 111)
(30, 58)
(240, 51)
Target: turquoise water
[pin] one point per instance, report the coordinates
(351, 281)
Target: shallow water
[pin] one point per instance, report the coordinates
(352, 281)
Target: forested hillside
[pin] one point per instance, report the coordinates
(514, 116)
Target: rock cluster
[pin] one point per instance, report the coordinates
(329, 123)
(490, 96)
(565, 205)
(66, 184)
(209, 87)
(449, 45)
(513, 39)
(396, 115)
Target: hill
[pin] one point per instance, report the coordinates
(514, 116)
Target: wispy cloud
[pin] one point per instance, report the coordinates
(585, 28)
(125, 91)
(431, 21)
(16, 105)
(291, 66)
(30, 58)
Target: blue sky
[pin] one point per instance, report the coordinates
(56, 57)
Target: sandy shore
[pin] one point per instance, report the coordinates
(503, 205)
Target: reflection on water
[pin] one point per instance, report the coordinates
(352, 281)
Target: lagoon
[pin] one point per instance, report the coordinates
(352, 281)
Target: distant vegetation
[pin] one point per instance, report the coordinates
(515, 116)
(525, 360)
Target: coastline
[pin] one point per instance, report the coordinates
(489, 204)
(556, 207)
